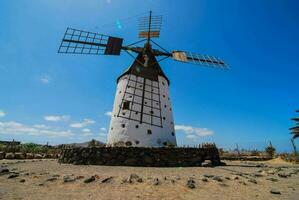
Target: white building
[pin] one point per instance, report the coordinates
(142, 112)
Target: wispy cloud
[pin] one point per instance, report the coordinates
(55, 118)
(46, 79)
(103, 129)
(86, 132)
(2, 113)
(15, 128)
(83, 124)
(108, 113)
(193, 132)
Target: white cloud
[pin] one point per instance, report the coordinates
(45, 79)
(55, 118)
(108, 113)
(103, 129)
(15, 128)
(85, 123)
(85, 130)
(191, 136)
(201, 132)
(86, 134)
(41, 126)
(2, 113)
(108, 1)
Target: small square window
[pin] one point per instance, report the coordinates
(149, 131)
(126, 105)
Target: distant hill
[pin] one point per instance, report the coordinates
(90, 143)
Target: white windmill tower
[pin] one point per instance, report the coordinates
(142, 111)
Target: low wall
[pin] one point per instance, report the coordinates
(138, 156)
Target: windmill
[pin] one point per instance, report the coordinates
(142, 111)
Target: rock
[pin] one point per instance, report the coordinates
(4, 170)
(242, 182)
(271, 171)
(257, 175)
(79, 177)
(252, 181)
(106, 180)
(90, 179)
(272, 179)
(134, 177)
(190, 183)
(38, 156)
(22, 180)
(217, 178)
(283, 175)
(68, 179)
(51, 179)
(29, 155)
(19, 155)
(2, 155)
(208, 176)
(9, 156)
(227, 178)
(274, 191)
(156, 181)
(13, 176)
(56, 175)
(234, 177)
(204, 179)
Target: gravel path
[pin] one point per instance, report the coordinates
(47, 179)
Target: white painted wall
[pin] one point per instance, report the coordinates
(139, 136)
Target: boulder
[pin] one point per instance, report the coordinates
(2, 155)
(9, 156)
(38, 156)
(29, 156)
(190, 183)
(20, 155)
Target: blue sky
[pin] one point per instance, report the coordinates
(45, 96)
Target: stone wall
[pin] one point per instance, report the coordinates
(138, 156)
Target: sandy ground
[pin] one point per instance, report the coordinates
(47, 179)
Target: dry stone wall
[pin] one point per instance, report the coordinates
(136, 156)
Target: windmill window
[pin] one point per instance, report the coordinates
(163, 95)
(119, 92)
(149, 131)
(126, 105)
(123, 125)
(136, 113)
(111, 128)
(137, 142)
(137, 126)
(171, 122)
(163, 83)
(164, 143)
(172, 133)
(152, 112)
(128, 143)
(164, 118)
(157, 103)
(165, 106)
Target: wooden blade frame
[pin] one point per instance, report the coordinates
(149, 27)
(198, 59)
(83, 42)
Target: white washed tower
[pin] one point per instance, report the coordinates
(142, 111)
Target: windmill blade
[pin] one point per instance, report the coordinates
(198, 59)
(150, 26)
(83, 42)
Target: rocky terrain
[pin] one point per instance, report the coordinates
(47, 179)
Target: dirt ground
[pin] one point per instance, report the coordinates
(47, 179)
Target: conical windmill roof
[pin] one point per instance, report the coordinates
(145, 65)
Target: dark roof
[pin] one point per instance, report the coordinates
(146, 66)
